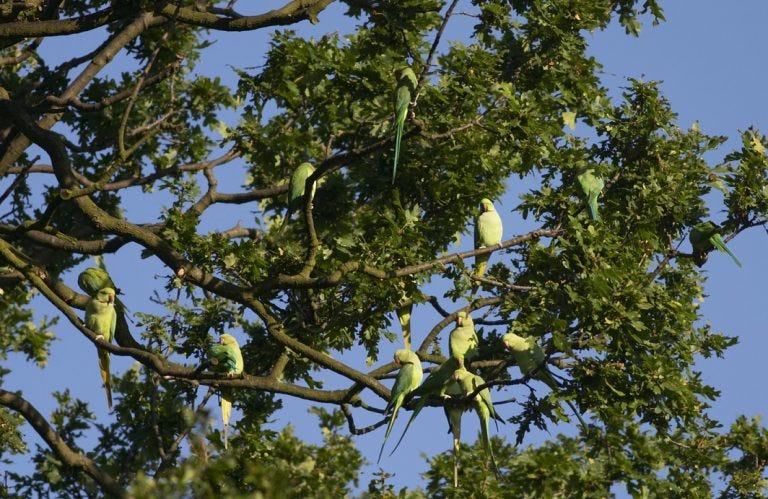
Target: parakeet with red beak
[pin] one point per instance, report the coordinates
(488, 232)
(408, 379)
(101, 318)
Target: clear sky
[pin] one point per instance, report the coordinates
(706, 55)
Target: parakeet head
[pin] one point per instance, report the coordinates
(464, 319)
(406, 73)
(106, 295)
(307, 166)
(404, 356)
(514, 342)
(486, 205)
(227, 339)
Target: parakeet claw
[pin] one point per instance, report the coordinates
(100, 337)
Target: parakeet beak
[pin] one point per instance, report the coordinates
(459, 321)
(397, 361)
(221, 341)
(110, 299)
(506, 345)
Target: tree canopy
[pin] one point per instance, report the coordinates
(128, 125)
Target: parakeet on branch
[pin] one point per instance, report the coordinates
(406, 87)
(453, 414)
(483, 406)
(296, 189)
(432, 386)
(93, 279)
(463, 339)
(225, 358)
(408, 379)
(529, 356)
(705, 237)
(101, 318)
(488, 232)
(592, 186)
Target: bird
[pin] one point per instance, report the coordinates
(592, 185)
(705, 237)
(225, 358)
(404, 317)
(94, 279)
(453, 413)
(432, 386)
(408, 379)
(463, 339)
(488, 232)
(531, 360)
(101, 318)
(406, 87)
(296, 187)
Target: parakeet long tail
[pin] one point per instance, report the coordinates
(718, 243)
(481, 264)
(398, 137)
(226, 410)
(592, 204)
(104, 368)
(486, 435)
(389, 428)
(416, 410)
(404, 317)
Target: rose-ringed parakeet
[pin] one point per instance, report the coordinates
(225, 358)
(483, 407)
(529, 357)
(432, 386)
(705, 237)
(93, 279)
(453, 414)
(296, 189)
(488, 231)
(592, 186)
(406, 87)
(101, 318)
(463, 339)
(408, 379)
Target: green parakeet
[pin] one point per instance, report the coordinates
(529, 357)
(453, 414)
(592, 186)
(101, 318)
(404, 317)
(432, 386)
(408, 379)
(463, 340)
(406, 87)
(705, 237)
(225, 358)
(488, 231)
(93, 279)
(483, 407)
(296, 189)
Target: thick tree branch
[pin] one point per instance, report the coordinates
(57, 445)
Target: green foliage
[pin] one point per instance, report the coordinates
(513, 98)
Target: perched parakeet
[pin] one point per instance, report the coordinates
(488, 230)
(408, 379)
(101, 318)
(483, 406)
(704, 238)
(296, 189)
(432, 386)
(463, 340)
(592, 186)
(529, 357)
(404, 317)
(93, 279)
(453, 414)
(406, 87)
(226, 358)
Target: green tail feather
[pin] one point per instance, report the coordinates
(592, 204)
(398, 137)
(717, 242)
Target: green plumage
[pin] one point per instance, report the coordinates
(432, 386)
(226, 358)
(591, 186)
(101, 318)
(296, 187)
(488, 232)
(406, 86)
(463, 339)
(483, 407)
(705, 237)
(404, 318)
(93, 279)
(529, 357)
(453, 414)
(408, 379)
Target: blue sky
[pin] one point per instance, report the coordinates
(706, 58)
